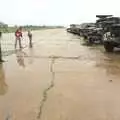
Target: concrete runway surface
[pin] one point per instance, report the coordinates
(60, 79)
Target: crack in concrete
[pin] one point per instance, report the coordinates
(45, 93)
(55, 57)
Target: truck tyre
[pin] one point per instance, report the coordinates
(90, 41)
(108, 47)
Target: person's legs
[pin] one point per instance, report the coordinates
(20, 43)
(30, 41)
(16, 39)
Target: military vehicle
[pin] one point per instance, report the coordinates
(80, 29)
(112, 38)
(105, 22)
(74, 28)
(95, 36)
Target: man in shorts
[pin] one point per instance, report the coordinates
(18, 36)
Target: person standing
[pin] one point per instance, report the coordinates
(0, 34)
(18, 37)
(30, 38)
(0, 48)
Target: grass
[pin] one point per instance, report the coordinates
(13, 29)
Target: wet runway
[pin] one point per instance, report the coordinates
(60, 79)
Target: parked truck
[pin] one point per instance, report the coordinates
(112, 38)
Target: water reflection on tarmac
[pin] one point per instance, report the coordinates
(60, 79)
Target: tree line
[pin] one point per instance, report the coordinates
(7, 29)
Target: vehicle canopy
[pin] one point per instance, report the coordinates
(103, 22)
(115, 26)
(115, 29)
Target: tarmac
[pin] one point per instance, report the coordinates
(60, 79)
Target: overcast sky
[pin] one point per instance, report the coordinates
(55, 12)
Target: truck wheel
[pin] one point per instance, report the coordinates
(90, 41)
(101, 41)
(108, 47)
(85, 36)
